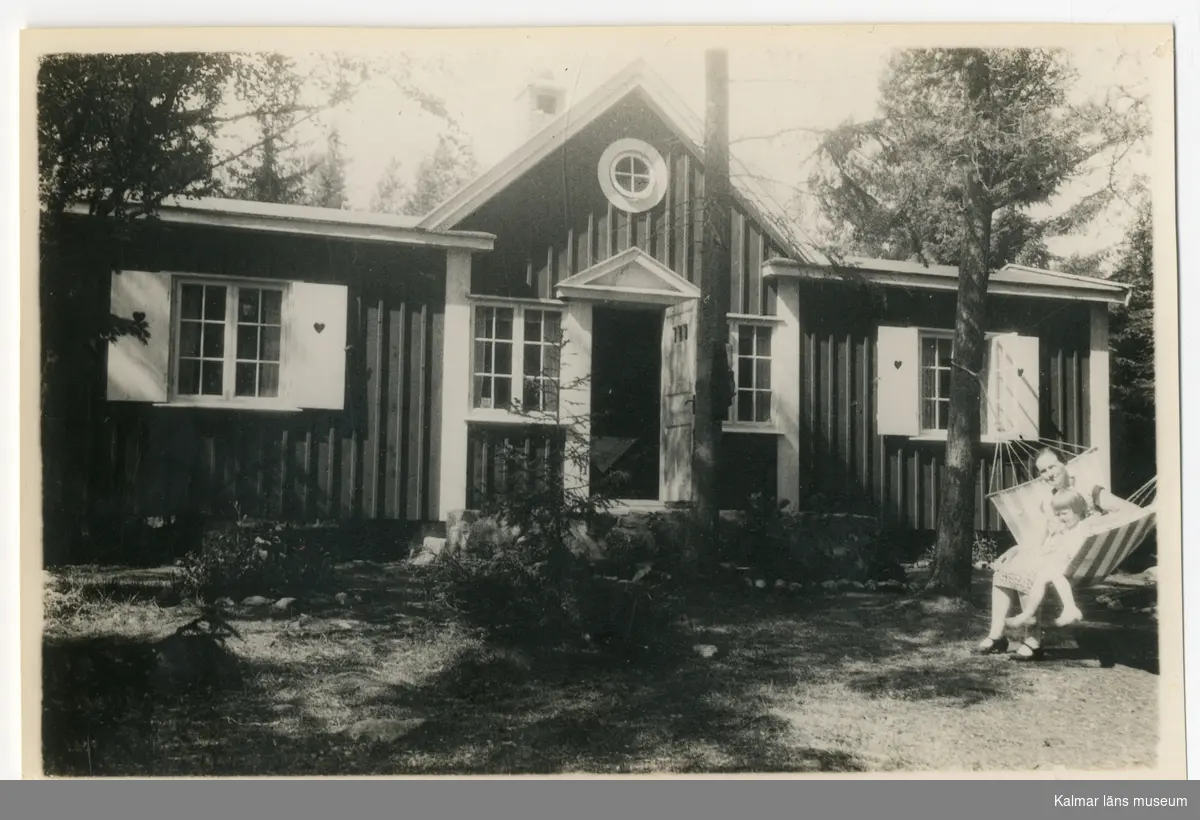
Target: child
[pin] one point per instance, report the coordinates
(1069, 508)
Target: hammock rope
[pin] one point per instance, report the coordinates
(1110, 538)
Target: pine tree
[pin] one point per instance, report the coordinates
(451, 165)
(327, 179)
(391, 192)
(967, 141)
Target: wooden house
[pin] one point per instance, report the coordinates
(306, 363)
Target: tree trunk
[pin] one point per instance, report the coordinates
(956, 511)
(711, 321)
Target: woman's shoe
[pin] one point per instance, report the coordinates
(993, 646)
(1029, 651)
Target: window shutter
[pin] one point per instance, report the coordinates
(1013, 386)
(136, 371)
(316, 346)
(897, 380)
(1024, 377)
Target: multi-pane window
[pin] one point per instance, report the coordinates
(937, 355)
(631, 174)
(493, 356)
(229, 342)
(534, 335)
(752, 373)
(542, 336)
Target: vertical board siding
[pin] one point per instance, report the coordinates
(843, 457)
(510, 458)
(375, 459)
(555, 221)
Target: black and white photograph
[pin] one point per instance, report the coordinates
(626, 402)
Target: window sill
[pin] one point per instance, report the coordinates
(257, 407)
(940, 435)
(506, 417)
(763, 427)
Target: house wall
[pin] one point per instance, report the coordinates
(555, 221)
(376, 459)
(841, 454)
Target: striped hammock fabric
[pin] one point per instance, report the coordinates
(1109, 539)
(1115, 537)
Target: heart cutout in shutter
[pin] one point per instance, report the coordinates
(1020, 371)
(318, 326)
(897, 363)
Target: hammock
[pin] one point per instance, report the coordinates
(1111, 538)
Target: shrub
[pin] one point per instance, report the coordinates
(986, 547)
(809, 546)
(242, 559)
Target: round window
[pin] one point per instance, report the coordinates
(633, 175)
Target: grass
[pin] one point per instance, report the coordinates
(393, 683)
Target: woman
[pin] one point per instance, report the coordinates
(1019, 569)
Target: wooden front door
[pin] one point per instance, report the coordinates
(678, 400)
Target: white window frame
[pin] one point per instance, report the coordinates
(986, 388)
(515, 413)
(634, 202)
(227, 399)
(732, 424)
(646, 174)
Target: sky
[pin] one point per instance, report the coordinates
(777, 84)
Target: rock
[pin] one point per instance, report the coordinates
(342, 598)
(167, 596)
(255, 600)
(780, 583)
(431, 548)
(1150, 576)
(870, 586)
(829, 586)
(378, 730)
(458, 523)
(760, 584)
(284, 604)
(581, 543)
(795, 586)
(858, 585)
(704, 650)
(422, 559)
(225, 603)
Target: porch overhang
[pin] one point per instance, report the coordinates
(632, 276)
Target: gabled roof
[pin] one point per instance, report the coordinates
(306, 219)
(631, 275)
(1010, 280)
(637, 78)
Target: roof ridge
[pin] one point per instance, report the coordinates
(636, 75)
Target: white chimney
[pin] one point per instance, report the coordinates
(539, 103)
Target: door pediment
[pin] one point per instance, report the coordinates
(630, 276)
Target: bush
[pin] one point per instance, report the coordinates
(986, 547)
(809, 546)
(541, 588)
(242, 559)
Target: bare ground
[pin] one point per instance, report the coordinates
(393, 683)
